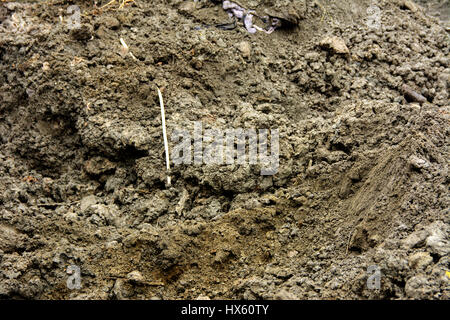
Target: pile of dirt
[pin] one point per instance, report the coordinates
(362, 178)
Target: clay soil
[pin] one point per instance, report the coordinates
(363, 172)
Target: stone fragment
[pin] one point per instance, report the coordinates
(335, 44)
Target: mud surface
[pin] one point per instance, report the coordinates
(363, 174)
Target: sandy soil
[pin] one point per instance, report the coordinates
(363, 172)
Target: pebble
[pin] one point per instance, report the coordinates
(418, 163)
(87, 202)
(437, 242)
(292, 253)
(411, 95)
(135, 276)
(245, 48)
(336, 44)
(112, 245)
(221, 43)
(45, 66)
(415, 239)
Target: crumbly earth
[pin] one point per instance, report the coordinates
(363, 174)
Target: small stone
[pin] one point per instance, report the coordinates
(245, 48)
(221, 256)
(112, 245)
(202, 297)
(412, 95)
(415, 239)
(87, 202)
(221, 43)
(437, 242)
(71, 215)
(418, 163)
(45, 66)
(336, 44)
(292, 253)
(135, 276)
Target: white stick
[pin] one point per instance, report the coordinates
(124, 44)
(166, 144)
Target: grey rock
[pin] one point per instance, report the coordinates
(438, 240)
(418, 163)
(415, 239)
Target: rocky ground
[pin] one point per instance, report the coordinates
(363, 171)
